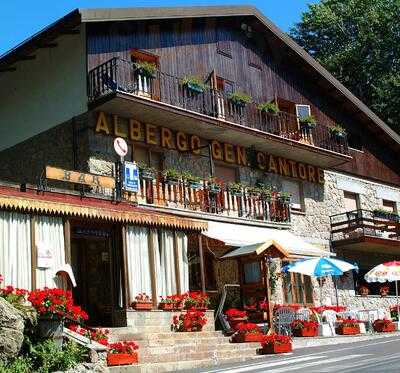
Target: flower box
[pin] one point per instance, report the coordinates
(166, 306)
(348, 330)
(235, 321)
(385, 327)
(276, 348)
(142, 306)
(247, 337)
(305, 332)
(122, 359)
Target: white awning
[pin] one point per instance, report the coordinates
(247, 237)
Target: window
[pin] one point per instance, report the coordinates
(389, 206)
(303, 111)
(226, 174)
(351, 201)
(253, 57)
(148, 157)
(297, 288)
(252, 272)
(296, 190)
(223, 43)
(144, 85)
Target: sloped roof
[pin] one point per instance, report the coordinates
(334, 88)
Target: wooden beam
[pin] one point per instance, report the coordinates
(152, 264)
(67, 240)
(33, 252)
(202, 272)
(177, 265)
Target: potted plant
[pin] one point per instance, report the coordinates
(363, 290)
(235, 317)
(239, 99)
(337, 132)
(276, 344)
(213, 186)
(147, 69)
(54, 306)
(384, 214)
(304, 328)
(167, 303)
(284, 196)
(384, 326)
(193, 84)
(190, 321)
(172, 176)
(307, 122)
(192, 181)
(236, 189)
(254, 191)
(147, 172)
(268, 107)
(122, 353)
(196, 300)
(247, 332)
(142, 302)
(348, 327)
(266, 193)
(384, 290)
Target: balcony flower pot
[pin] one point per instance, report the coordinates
(194, 84)
(51, 328)
(384, 326)
(148, 174)
(166, 306)
(146, 69)
(348, 330)
(214, 188)
(307, 123)
(305, 332)
(142, 306)
(114, 359)
(276, 348)
(247, 337)
(239, 99)
(268, 108)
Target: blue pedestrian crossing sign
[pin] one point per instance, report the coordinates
(131, 177)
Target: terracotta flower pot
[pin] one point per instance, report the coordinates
(142, 306)
(305, 332)
(166, 306)
(122, 359)
(247, 337)
(382, 328)
(276, 348)
(348, 330)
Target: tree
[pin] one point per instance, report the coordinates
(358, 41)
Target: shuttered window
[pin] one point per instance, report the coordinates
(351, 201)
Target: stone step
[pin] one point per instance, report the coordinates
(183, 341)
(175, 366)
(127, 333)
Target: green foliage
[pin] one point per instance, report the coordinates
(358, 41)
(172, 173)
(337, 130)
(268, 107)
(146, 68)
(236, 187)
(20, 365)
(46, 357)
(194, 82)
(308, 120)
(239, 98)
(188, 176)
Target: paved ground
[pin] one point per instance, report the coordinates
(376, 356)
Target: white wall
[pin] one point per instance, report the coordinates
(45, 91)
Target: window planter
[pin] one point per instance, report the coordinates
(348, 330)
(142, 306)
(214, 189)
(171, 180)
(305, 332)
(122, 359)
(166, 306)
(194, 185)
(235, 321)
(385, 327)
(194, 88)
(148, 175)
(247, 337)
(276, 348)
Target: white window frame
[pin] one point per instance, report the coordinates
(298, 106)
(295, 206)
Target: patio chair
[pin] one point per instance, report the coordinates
(284, 317)
(303, 314)
(330, 318)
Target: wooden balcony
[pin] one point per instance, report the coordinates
(164, 99)
(364, 230)
(205, 202)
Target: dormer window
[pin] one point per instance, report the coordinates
(303, 111)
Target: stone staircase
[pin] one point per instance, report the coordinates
(161, 350)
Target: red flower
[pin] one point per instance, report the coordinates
(300, 324)
(275, 339)
(235, 313)
(248, 328)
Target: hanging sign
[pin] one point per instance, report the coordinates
(131, 177)
(60, 174)
(44, 256)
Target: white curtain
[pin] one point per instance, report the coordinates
(137, 244)
(165, 262)
(183, 260)
(49, 233)
(15, 250)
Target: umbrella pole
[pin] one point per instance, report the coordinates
(320, 291)
(397, 303)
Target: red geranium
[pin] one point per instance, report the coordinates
(191, 321)
(56, 303)
(385, 323)
(275, 339)
(350, 323)
(300, 324)
(235, 313)
(195, 299)
(97, 334)
(123, 347)
(248, 328)
(294, 307)
(321, 309)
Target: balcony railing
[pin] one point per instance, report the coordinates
(361, 223)
(204, 198)
(117, 75)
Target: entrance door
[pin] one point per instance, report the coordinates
(94, 259)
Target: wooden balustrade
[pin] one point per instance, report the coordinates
(204, 200)
(119, 75)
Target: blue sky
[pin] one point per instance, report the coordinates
(19, 19)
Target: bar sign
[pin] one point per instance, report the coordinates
(131, 177)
